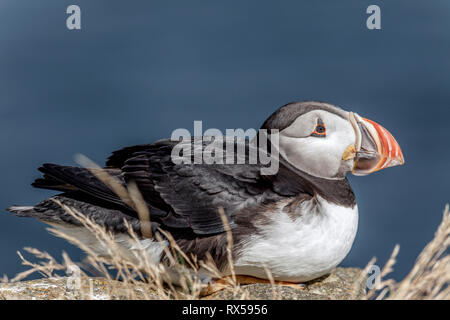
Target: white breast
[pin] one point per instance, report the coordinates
(301, 248)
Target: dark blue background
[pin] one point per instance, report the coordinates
(139, 69)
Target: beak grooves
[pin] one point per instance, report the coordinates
(352, 120)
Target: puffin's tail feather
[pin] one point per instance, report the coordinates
(70, 179)
(59, 178)
(22, 211)
(47, 182)
(54, 210)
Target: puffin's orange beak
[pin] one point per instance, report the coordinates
(377, 150)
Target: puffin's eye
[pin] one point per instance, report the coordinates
(320, 130)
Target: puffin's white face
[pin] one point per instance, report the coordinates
(315, 143)
(328, 145)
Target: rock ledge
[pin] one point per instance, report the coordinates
(341, 283)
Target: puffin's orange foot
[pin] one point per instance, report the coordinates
(252, 280)
(215, 286)
(222, 283)
(298, 286)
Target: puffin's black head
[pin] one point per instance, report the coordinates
(326, 141)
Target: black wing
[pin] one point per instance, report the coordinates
(193, 193)
(179, 195)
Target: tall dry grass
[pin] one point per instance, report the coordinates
(139, 277)
(428, 279)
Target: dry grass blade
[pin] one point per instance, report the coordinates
(227, 228)
(430, 276)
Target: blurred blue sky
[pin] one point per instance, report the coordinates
(139, 69)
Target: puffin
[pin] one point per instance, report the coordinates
(298, 222)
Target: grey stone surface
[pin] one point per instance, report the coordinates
(341, 283)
